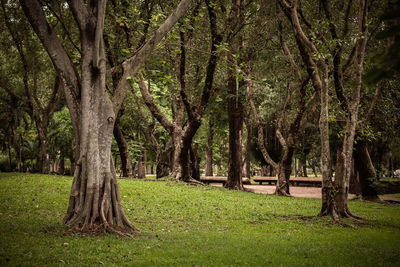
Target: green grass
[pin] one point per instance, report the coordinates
(184, 225)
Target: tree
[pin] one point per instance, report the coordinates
(287, 141)
(182, 138)
(335, 192)
(33, 76)
(94, 199)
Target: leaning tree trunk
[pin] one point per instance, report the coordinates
(127, 170)
(366, 171)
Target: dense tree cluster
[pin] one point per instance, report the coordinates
(100, 89)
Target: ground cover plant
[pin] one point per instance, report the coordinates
(191, 225)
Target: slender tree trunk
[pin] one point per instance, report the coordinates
(41, 158)
(209, 156)
(9, 156)
(236, 117)
(127, 170)
(247, 172)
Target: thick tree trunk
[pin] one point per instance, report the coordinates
(366, 171)
(209, 155)
(94, 198)
(127, 170)
(235, 117)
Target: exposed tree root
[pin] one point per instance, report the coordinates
(191, 181)
(282, 188)
(283, 193)
(238, 187)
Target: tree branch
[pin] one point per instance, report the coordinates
(131, 65)
(155, 111)
(260, 139)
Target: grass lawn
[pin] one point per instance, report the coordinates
(184, 225)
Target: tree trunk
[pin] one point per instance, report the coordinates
(194, 162)
(235, 117)
(247, 172)
(41, 159)
(127, 170)
(304, 163)
(164, 162)
(142, 165)
(177, 138)
(61, 166)
(285, 169)
(9, 157)
(95, 198)
(366, 171)
(209, 156)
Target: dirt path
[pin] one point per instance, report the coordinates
(295, 191)
(306, 192)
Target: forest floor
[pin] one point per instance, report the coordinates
(186, 225)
